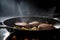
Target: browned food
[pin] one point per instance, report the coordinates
(34, 23)
(34, 28)
(26, 39)
(23, 24)
(45, 26)
(23, 28)
(14, 38)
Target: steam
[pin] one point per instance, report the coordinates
(8, 8)
(23, 10)
(51, 12)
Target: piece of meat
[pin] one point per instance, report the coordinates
(22, 24)
(34, 23)
(45, 26)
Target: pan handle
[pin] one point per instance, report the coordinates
(4, 26)
(10, 29)
(58, 19)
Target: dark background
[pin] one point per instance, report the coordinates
(35, 7)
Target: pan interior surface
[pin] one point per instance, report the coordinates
(10, 22)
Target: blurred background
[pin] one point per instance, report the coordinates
(28, 8)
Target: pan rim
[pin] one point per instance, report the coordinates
(24, 17)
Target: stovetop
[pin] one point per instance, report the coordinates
(3, 32)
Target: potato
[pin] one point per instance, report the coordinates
(34, 28)
(24, 28)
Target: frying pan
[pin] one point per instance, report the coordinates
(10, 22)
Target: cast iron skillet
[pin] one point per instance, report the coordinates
(10, 22)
